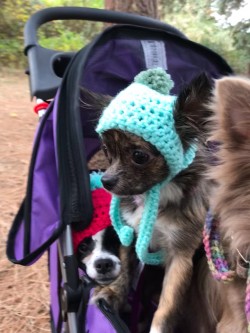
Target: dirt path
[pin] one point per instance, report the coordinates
(24, 296)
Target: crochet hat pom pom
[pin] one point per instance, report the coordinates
(95, 180)
(156, 79)
(126, 235)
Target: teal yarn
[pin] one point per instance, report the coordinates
(145, 109)
(156, 79)
(95, 180)
(146, 226)
(125, 232)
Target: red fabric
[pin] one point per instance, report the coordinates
(40, 106)
(101, 219)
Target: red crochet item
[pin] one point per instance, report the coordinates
(101, 219)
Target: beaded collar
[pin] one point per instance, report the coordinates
(217, 261)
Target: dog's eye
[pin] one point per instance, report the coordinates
(105, 150)
(139, 157)
(83, 248)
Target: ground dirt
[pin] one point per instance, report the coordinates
(24, 291)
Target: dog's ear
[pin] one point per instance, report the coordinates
(232, 104)
(191, 112)
(92, 101)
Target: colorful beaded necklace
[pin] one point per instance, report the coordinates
(217, 261)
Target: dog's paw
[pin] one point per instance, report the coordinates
(161, 323)
(155, 330)
(114, 300)
(163, 328)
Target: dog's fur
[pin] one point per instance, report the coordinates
(109, 265)
(136, 166)
(230, 201)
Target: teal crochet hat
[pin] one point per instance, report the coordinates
(145, 109)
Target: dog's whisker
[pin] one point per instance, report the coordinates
(242, 257)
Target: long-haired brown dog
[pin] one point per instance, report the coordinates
(136, 166)
(230, 201)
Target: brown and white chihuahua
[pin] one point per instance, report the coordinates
(136, 166)
(230, 200)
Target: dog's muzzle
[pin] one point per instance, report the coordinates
(109, 181)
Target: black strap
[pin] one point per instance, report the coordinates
(87, 285)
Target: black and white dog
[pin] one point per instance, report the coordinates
(98, 255)
(108, 264)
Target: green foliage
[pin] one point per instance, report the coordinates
(68, 41)
(13, 15)
(226, 7)
(11, 52)
(61, 35)
(68, 35)
(196, 19)
(240, 31)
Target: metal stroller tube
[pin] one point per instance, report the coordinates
(69, 276)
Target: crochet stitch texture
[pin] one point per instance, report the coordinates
(101, 205)
(145, 109)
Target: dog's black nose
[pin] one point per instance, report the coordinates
(109, 181)
(104, 266)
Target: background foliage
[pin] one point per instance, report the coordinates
(208, 22)
(204, 21)
(67, 35)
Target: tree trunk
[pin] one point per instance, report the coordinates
(141, 7)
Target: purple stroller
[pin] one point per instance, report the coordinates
(58, 196)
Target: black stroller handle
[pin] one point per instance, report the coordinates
(47, 66)
(90, 14)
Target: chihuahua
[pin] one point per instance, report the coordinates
(136, 166)
(230, 200)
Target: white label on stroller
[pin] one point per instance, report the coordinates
(154, 53)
